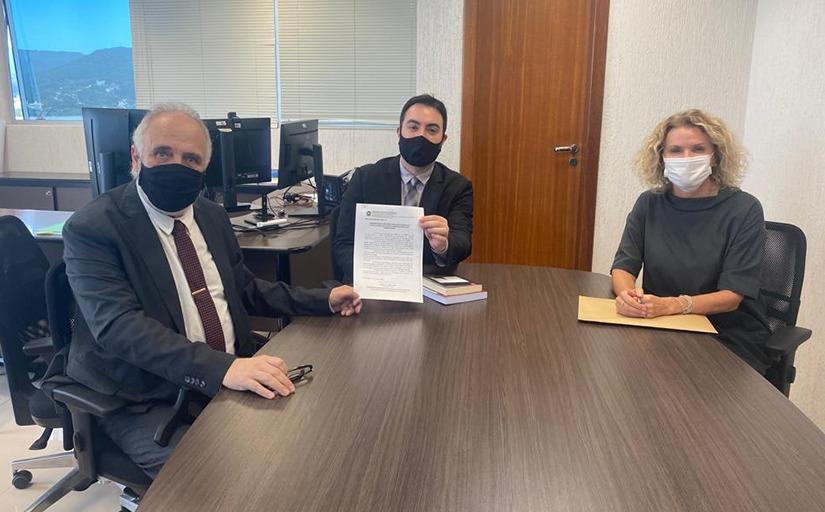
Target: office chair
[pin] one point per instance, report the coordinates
(337, 271)
(96, 456)
(783, 270)
(26, 343)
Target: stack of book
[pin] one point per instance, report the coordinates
(452, 289)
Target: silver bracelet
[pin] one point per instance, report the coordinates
(687, 308)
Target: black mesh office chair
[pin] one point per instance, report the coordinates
(96, 455)
(26, 343)
(337, 270)
(783, 270)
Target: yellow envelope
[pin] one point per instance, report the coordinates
(603, 311)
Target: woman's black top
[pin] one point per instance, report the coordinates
(693, 246)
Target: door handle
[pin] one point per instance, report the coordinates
(573, 149)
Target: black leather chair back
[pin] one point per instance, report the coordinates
(337, 271)
(23, 268)
(60, 306)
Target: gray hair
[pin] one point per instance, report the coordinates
(170, 108)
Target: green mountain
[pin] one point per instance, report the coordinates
(45, 60)
(66, 82)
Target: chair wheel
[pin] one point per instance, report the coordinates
(21, 479)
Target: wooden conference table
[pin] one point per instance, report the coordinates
(505, 405)
(281, 243)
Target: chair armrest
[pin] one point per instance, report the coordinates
(257, 340)
(39, 347)
(787, 339)
(180, 414)
(86, 400)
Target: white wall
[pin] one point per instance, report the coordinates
(663, 57)
(45, 146)
(759, 66)
(6, 104)
(785, 133)
(440, 50)
(59, 147)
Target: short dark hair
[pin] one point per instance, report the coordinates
(425, 99)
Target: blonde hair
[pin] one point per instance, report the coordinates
(729, 158)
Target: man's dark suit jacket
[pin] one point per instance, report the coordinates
(447, 193)
(132, 343)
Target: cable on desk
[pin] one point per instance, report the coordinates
(244, 229)
(273, 231)
(305, 224)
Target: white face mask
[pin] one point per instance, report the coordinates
(688, 174)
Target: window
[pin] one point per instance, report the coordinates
(64, 54)
(215, 55)
(347, 62)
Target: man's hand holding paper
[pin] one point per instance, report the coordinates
(437, 231)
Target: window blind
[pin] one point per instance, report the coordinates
(346, 61)
(216, 55)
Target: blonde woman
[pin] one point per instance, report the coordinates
(699, 238)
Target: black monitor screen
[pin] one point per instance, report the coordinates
(252, 144)
(295, 160)
(108, 134)
(253, 154)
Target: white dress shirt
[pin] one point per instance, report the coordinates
(163, 224)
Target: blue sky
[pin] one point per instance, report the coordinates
(70, 25)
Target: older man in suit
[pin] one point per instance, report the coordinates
(414, 178)
(160, 281)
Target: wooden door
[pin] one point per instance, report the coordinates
(533, 80)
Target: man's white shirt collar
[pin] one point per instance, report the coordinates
(165, 221)
(406, 175)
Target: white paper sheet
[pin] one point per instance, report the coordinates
(387, 258)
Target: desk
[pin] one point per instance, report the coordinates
(35, 220)
(45, 190)
(46, 179)
(283, 243)
(38, 219)
(503, 405)
(279, 243)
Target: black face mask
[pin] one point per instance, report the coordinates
(418, 151)
(170, 187)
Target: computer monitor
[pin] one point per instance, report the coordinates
(108, 133)
(241, 153)
(252, 146)
(299, 157)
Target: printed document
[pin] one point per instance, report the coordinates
(387, 258)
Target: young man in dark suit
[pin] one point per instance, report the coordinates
(414, 178)
(161, 284)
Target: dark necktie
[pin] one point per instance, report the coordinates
(197, 286)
